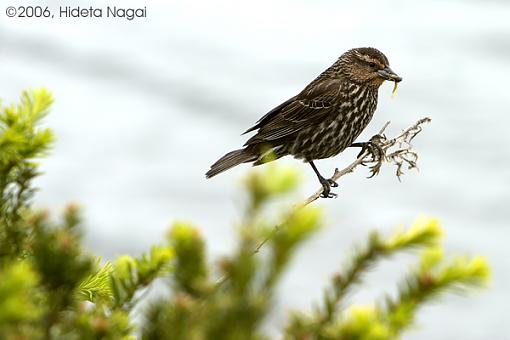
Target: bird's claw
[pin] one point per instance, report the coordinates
(327, 184)
(327, 194)
(374, 150)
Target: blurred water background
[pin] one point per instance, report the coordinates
(143, 108)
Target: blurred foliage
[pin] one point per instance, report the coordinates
(51, 288)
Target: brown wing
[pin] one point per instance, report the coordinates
(309, 107)
(271, 114)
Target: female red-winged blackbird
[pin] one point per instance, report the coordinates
(322, 120)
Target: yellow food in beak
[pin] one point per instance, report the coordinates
(394, 92)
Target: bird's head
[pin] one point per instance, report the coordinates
(366, 65)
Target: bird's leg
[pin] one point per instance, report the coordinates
(326, 183)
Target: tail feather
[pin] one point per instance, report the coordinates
(230, 160)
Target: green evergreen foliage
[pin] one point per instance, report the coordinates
(50, 288)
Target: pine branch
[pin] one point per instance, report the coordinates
(423, 233)
(130, 276)
(97, 287)
(433, 278)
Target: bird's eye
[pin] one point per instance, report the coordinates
(372, 65)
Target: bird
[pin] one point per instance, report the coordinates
(322, 120)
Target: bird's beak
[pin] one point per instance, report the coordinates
(388, 74)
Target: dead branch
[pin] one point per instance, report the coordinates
(397, 151)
